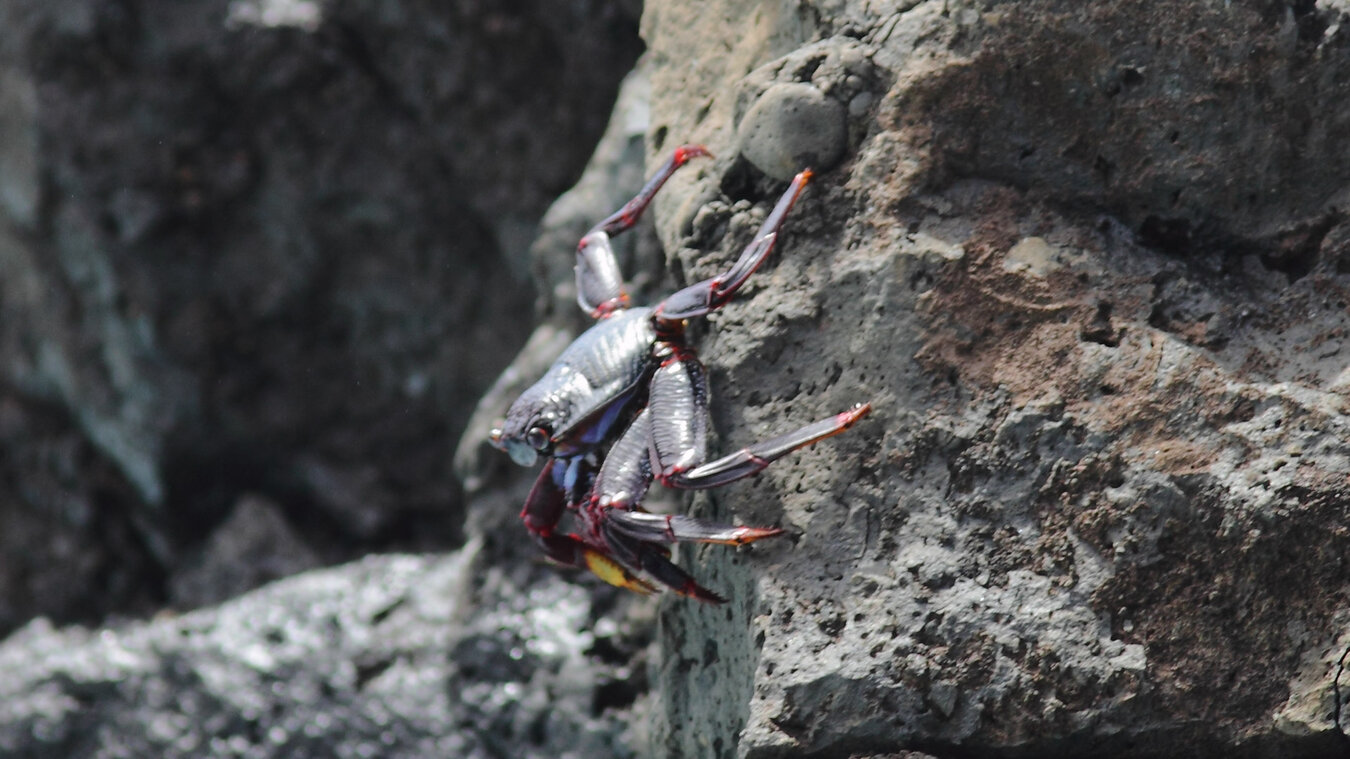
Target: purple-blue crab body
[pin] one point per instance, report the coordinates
(573, 407)
(626, 404)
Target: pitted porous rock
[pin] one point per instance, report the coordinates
(791, 127)
(1088, 259)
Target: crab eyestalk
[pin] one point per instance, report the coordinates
(520, 452)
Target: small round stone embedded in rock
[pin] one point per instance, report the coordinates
(792, 127)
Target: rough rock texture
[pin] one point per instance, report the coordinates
(264, 252)
(792, 125)
(378, 658)
(1089, 263)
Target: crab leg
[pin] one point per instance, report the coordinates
(635, 537)
(678, 399)
(633, 549)
(544, 508)
(627, 472)
(624, 479)
(675, 528)
(710, 294)
(677, 405)
(614, 573)
(754, 458)
(600, 287)
(654, 559)
(663, 571)
(624, 218)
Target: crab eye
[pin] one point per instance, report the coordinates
(537, 438)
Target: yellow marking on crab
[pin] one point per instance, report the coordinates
(613, 573)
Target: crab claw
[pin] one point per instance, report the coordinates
(614, 573)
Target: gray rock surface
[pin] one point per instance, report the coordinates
(791, 126)
(1087, 262)
(379, 658)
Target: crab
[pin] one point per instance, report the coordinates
(626, 404)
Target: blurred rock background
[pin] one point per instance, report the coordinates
(257, 262)
(262, 264)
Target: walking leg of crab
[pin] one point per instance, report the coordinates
(622, 482)
(626, 473)
(635, 537)
(678, 401)
(699, 299)
(677, 528)
(600, 286)
(754, 458)
(619, 488)
(626, 217)
(677, 407)
(663, 571)
(635, 544)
